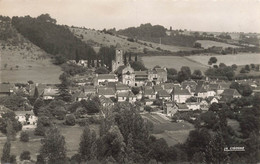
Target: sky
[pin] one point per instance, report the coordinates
(196, 15)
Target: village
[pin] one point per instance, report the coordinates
(149, 89)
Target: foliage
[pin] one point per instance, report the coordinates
(184, 74)
(138, 66)
(222, 72)
(107, 55)
(25, 155)
(9, 117)
(91, 106)
(197, 74)
(13, 102)
(53, 146)
(70, 120)
(171, 74)
(60, 39)
(87, 145)
(24, 136)
(212, 60)
(37, 105)
(135, 90)
(102, 70)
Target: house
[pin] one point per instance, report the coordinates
(193, 105)
(222, 87)
(148, 102)
(157, 88)
(102, 79)
(149, 93)
(122, 88)
(163, 95)
(106, 102)
(140, 77)
(6, 89)
(212, 100)
(168, 87)
(84, 96)
(202, 91)
(230, 93)
(170, 108)
(182, 107)
(107, 92)
(161, 75)
(126, 96)
(50, 93)
(180, 95)
(26, 117)
(190, 85)
(89, 89)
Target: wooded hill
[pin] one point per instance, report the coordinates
(54, 39)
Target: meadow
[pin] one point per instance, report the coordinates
(172, 62)
(238, 59)
(18, 64)
(209, 43)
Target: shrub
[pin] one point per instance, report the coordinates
(24, 137)
(70, 120)
(25, 155)
(82, 122)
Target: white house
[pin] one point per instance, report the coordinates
(26, 117)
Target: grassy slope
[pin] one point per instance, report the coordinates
(33, 63)
(209, 43)
(101, 39)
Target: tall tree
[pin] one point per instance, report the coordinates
(36, 93)
(87, 144)
(11, 133)
(6, 157)
(136, 57)
(53, 148)
(37, 105)
(77, 56)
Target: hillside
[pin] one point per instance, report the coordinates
(21, 60)
(99, 38)
(55, 39)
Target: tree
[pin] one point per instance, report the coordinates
(247, 68)
(37, 105)
(36, 93)
(86, 144)
(24, 136)
(6, 157)
(197, 45)
(135, 57)
(77, 57)
(53, 146)
(25, 155)
(70, 120)
(234, 66)
(8, 119)
(11, 132)
(64, 93)
(214, 107)
(102, 70)
(212, 60)
(197, 74)
(135, 90)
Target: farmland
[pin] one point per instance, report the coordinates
(19, 64)
(173, 62)
(172, 132)
(238, 59)
(209, 43)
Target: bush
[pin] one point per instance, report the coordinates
(70, 120)
(82, 122)
(24, 137)
(25, 155)
(148, 108)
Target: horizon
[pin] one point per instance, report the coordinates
(193, 15)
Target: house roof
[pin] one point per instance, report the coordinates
(50, 91)
(118, 46)
(213, 87)
(120, 86)
(104, 100)
(141, 73)
(159, 70)
(126, 94)
(230, 92)
(89, 88)
(168, 85)
(163, 93)
(157, 88)
(149, 92)
(106, 76)
(106, 91)
(182, 106)
(181, 92)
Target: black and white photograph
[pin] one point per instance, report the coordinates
(129, 81)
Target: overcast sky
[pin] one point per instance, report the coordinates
(201, 15)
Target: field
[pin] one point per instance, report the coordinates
(238, 59)
(71, 133)
(172, 62)
(101, 39)
(172, 132)
(18, 64)
(209, 43)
